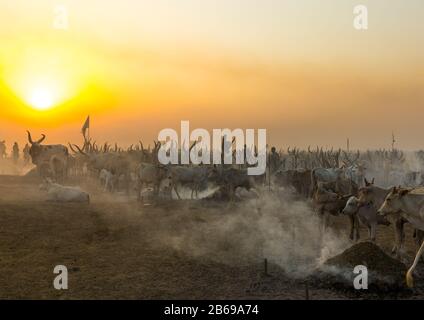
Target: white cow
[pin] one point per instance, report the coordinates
(355, 173)
(409, 204)
(59, 193)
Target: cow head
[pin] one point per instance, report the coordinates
(351, 206)
(35, 149)
(47, 183)
(369, 193)
(368, 183)
(393, 202)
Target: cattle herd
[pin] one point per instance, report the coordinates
(376, 189)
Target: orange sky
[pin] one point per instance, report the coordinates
(296, 68)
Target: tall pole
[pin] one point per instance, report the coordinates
(393, 142)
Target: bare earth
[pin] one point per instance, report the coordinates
(112, 251)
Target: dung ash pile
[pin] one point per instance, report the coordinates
(385, 274)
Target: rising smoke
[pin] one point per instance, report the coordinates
(276, 227)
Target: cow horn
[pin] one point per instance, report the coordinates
(80, 151)
(29, 137)
(72, 149)
(43, 136)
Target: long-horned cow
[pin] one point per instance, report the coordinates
(408, 204)
(51, 160)
(375, 196)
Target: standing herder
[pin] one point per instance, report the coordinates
(3, 153)
(15, 153)
(274, 161)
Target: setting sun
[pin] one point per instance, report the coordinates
(41, 99)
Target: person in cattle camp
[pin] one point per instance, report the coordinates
(274, 161)
(27, 156)
(15, 153)
(3, 153)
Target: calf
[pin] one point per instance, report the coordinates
(107, 180)
(149, 174)
(366, 214)
(326, 203)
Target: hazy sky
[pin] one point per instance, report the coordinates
(297, 68)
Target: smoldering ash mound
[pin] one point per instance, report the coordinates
(386, 275)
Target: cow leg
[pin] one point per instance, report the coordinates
(409, 277)
(373, 231)
(106, 185)
(356, 223)
(320, 213)
(174, 186)
(127, 183)
(418, 237)
(196, 191)
(232, 193)
(352, 226)
(326, 220)
(324, 217)
(138, 188)
(396, 244)
(399, 237)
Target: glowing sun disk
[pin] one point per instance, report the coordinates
(41, 99)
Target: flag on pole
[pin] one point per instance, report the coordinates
(86, 126)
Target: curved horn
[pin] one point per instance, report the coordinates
(29, 137)
(80, 151)
(43, 136)
(72, 148)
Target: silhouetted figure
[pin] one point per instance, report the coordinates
(15, 153)
(274, 160)
(27, 156)
(3, 153)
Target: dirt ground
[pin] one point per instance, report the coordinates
(111, 250)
